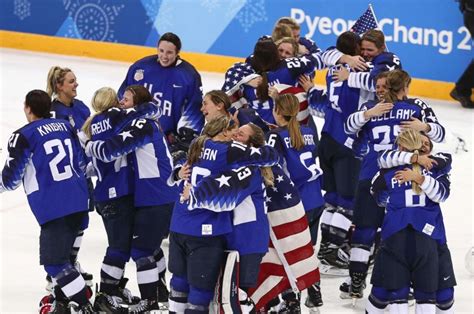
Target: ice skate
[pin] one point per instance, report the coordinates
(145, 306)
(335, 263)
(108, 304)
(75, 308)
(125, 294)
(46, 304)
(314, 299)
(163, 294)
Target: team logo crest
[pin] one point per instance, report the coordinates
(138, 76)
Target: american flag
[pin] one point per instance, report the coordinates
(240, 73)
(300, 93)
(366, 22)
(290, 261)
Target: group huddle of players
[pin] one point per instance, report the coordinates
(226, 170)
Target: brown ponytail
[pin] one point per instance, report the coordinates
(397, 80)
(211, 129)
(257, 139)
(288, 106)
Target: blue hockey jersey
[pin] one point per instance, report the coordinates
(245, 196)
(176, 89)
(76, 114)
(300, 165)
(405, 207)
(115, 178)
(151, 160)
(386, 61)
(283, 77)
(342, 101)
(382, 131)
(46, 155)
(217, 157)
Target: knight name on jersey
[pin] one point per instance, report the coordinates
(209, 154)
(399, 114)
(308, 140)
(51, 127)
(100, 126)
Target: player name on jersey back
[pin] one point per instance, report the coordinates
(307, 138)
(399, 114)
(52, 127)
(100, 126)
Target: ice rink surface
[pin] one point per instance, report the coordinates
(22, 279)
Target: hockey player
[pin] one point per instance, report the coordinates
(114, 194)
(152, 201)
(46, 155)
(340, 166)
(298, 149)
(197, 239)
(412, 230)
(215, 104)
(61, 86)
(249, 216)
(441, 162)
(175, 86)
(134, 97)
(380, 123)
(265, 69)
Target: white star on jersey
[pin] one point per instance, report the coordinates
(125, 134)
(254, 150)
(304, 60)
(223, 180)
(288, 196)
(279, 178)
(268, 199)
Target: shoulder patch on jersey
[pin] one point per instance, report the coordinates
(139, 75)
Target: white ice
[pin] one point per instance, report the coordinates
(22, 279)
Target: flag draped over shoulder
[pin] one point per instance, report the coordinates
(239, 74)
(290, 261)
(366, 22)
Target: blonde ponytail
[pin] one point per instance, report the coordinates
(104, 98)
(411, 140)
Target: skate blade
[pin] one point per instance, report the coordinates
(345, 296)
(329, 270)
(164, 306)
(314, 310)
(354, 301)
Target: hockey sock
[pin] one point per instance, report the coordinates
(425, 302)
(160, 262)
(179, 292)
(72, 284)
(340, 223)
(400, 308)
(112, 270)
(362, 240)
(199, 300)
(445, 301)
(75, 247)
(147, 277)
